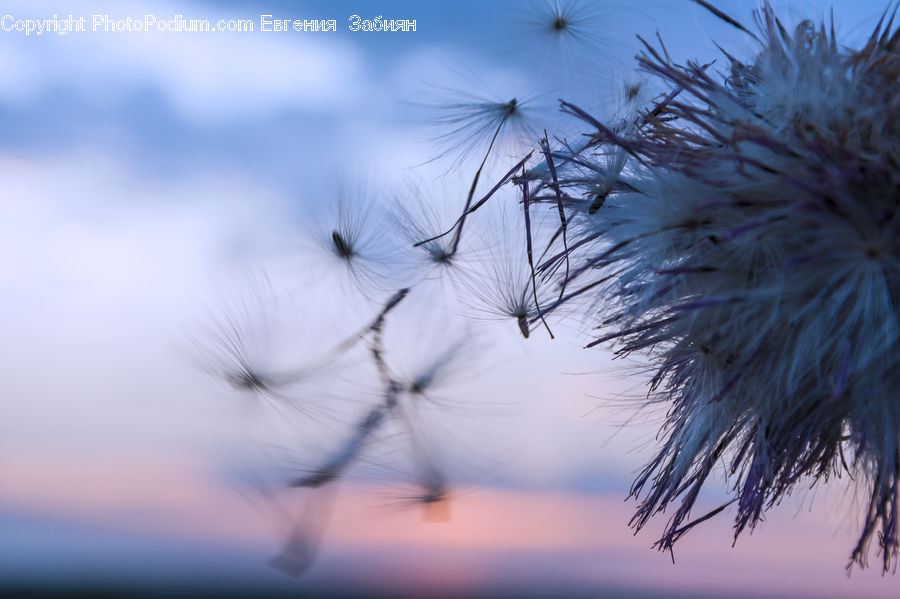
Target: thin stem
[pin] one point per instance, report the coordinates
(545, 146)
(462, 219)
(480, 202)
(528, 247)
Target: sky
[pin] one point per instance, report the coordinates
(158, 183)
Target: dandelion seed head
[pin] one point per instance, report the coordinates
(751, 221)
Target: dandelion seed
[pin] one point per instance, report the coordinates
(352, 237)
(504, 114)
(300, 517)
(348, 452)
(440, 356)
(470, 208)
(434, 497)
(245, 379)
(632, 92)
(432, 494)
(421, 486)
(355, 240)
(304, 538)
(502, 285)
(296, 556)
(418, 215)
(573, 42)
(470, 124)
(240, 345)
(343, 245)
(577, 30)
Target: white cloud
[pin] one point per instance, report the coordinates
(103, 271)
(205, 76)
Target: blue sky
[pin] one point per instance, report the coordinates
(146, 175)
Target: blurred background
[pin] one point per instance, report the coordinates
(156, 185)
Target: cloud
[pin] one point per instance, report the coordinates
(104, 269)
(205, 76)
(494, 537)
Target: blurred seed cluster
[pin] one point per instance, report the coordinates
(733, 222)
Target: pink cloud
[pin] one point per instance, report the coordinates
(493, 536)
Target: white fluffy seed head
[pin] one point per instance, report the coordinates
(755, 233)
